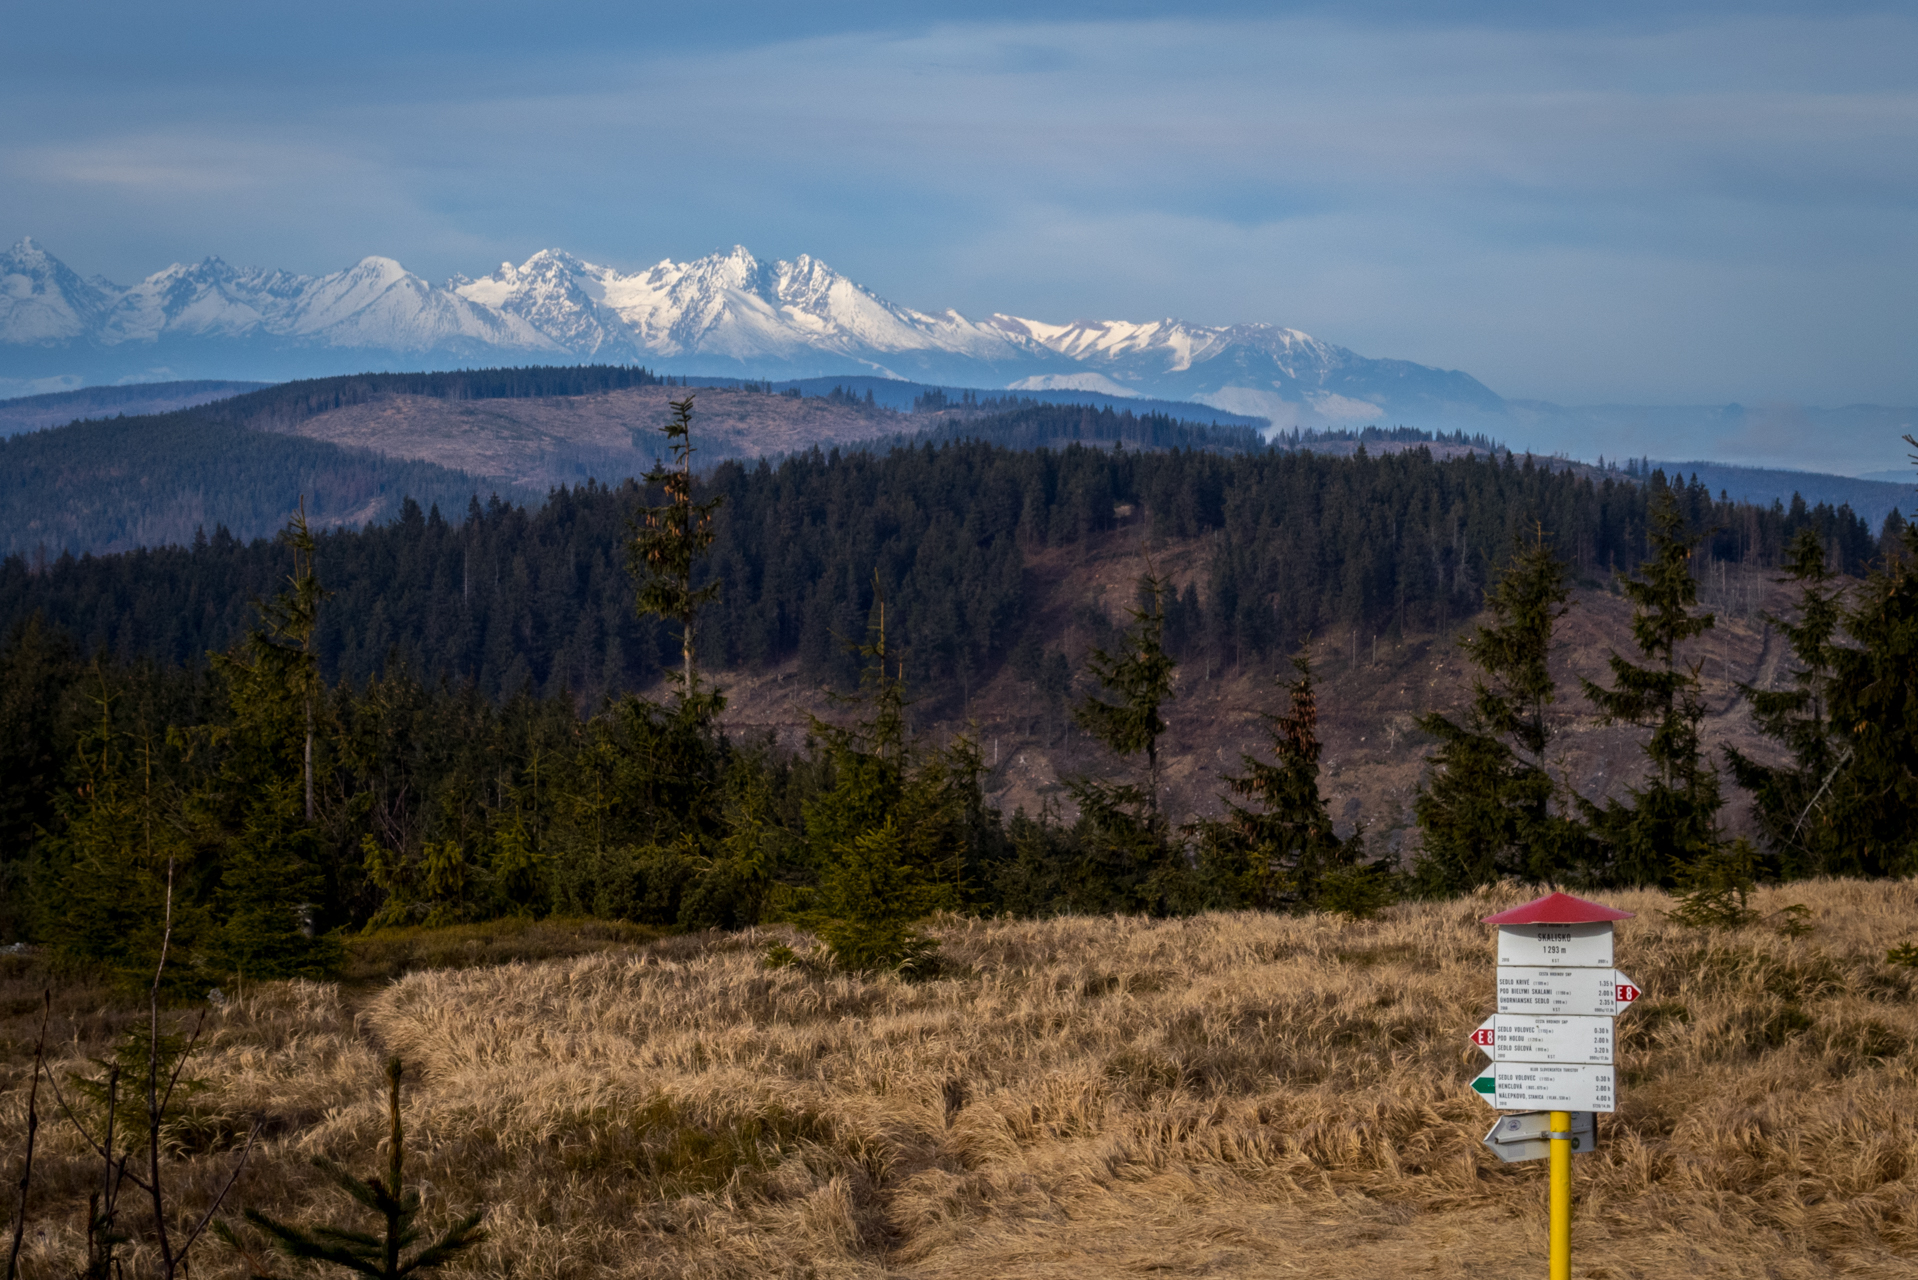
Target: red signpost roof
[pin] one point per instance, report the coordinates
(1559, 908)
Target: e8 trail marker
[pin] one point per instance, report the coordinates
(1551, 1041)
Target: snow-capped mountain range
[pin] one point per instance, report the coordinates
(728, 314)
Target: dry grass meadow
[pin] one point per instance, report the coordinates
(1230, 1095)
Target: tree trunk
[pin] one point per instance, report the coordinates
(309, 758)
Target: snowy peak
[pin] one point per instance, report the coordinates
(726, 313)
(1172, 345)
(374, 303)
(560, 298)
(207, 298)
(43, 302)
(378, 303)
(1108, 341)
(734, 305)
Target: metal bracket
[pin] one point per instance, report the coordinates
(1559, 1135)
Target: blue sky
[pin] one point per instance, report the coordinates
(1665, 203)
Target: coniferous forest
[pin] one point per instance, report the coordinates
(462, 715)
(509, 598)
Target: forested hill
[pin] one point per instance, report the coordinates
(149, 481)
(57, 408)
(507, 597)
(152, 479)
(281, 406)
(354, 446)
(1049, 426)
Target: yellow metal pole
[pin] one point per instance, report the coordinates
(1561, 1195)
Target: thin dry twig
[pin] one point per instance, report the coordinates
(33, 1128)
(259, 1123)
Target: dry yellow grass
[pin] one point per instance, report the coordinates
(1227, 1095)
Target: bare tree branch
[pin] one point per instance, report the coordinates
(53, 1082)
(1825, 786)
(259, 1122)
(33, 1126)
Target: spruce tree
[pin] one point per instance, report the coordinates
(871, 895)
(1127, 856)
(647, 794)
(668, 541)
(1488, 808)
(1848, 802)
(1672, 821)
(736, 880)
(258, 805)
(37, 665)
(1276, 848)
(889, 827)
(299, 618)
(1870, 797)
(382, 1256)
(1794, 816)
(1140, 674)
(122, 846)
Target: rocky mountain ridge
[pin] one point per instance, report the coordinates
(725, 314)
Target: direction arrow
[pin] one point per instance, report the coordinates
(1598, 993)
(1533, 1037)
(1522, 1137)
(1530, 1086)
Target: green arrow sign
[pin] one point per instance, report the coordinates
(1514, 1086)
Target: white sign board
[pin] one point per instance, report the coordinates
(1556, 946)
(1547, 1086)
(1536, 1037)
(1597, 993)
(1522, 1137)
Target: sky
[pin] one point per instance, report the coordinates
(1654, 204)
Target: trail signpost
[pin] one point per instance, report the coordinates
(1597, 993)
(1539, 1037)
(1551, 1041)
(1517, 1085)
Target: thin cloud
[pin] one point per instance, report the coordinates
(1701, 208)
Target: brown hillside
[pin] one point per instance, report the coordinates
(538, 443)
(1372, 691)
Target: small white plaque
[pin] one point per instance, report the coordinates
(1534, 1037)
(1556, 946)
(1522, 1137)
(1599, 993)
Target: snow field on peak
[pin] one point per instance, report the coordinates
(727, 312)
(1073, 382)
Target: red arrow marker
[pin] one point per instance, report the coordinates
(1487, 1035)
(1624, 991)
